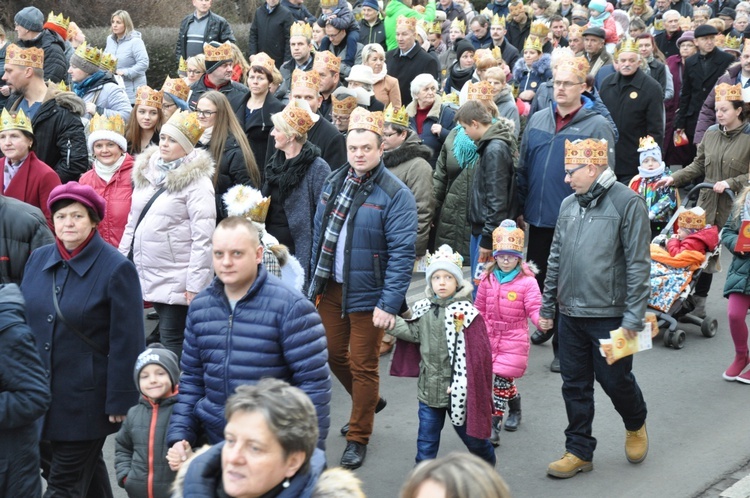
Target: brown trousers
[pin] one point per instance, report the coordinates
(353, 355)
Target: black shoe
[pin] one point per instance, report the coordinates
(555, 365)
(540, 337)
(497, 426)
(514, 415)
(378, 408)
(152, 315)
(354, 455)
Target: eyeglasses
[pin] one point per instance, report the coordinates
(339, 119)
(569, 172)
(194, 71)
(505, 257)
(205, 114)
(565, 84)
(168, 106)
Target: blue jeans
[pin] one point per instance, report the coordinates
(431, 422)
(580, 363)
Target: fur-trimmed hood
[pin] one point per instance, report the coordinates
(66, 100)
(540, 67)
(528, 269)
(198, 165)
(412, 148)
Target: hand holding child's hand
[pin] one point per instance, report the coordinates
(546, 324)
(178, 454)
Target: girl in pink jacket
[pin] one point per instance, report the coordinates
(508, 295)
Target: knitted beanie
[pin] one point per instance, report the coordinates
(156, 354)
(30, 18)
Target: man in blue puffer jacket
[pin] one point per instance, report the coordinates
(245, 326)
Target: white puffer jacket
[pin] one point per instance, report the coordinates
(172, 250)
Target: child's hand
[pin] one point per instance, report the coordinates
(545, 324)
(178, 454)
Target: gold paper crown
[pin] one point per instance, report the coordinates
(497, 21)
(507, 239)
(487, 13)
(686, 24)
(587, 151)
(176, 87)
(306, 79)
(301, 29)
(481, 52)
(362, 119)
(575, 31)
(396, 116)
(29, 57)
(435, 28)
(145, 95)
(647, 143)
(17, 122)
(108, 62)
(727, 92)
(63, 87)
(732, 43)
(328, 4)
(539, 29)
(187, 123)
(409, 23)
(115, 123)
(343, 106)
(298, 118)
(221, 53)
(449, 98)
(247, 202)
(261, 59)
(326, 60)
(533, 43)
(692, 219)
(58, 20)
(579, 66)
(516, 9)
(458, 24)
(89, 54)
(497, 54)
(628, 46)
(480, 91)
(444, 253)
(182, 66)
(658, 24)
(639, 3)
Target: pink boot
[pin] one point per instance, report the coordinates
(736, 368)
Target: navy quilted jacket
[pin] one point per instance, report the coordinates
(273, 332)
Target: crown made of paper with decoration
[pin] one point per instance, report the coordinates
(182, 66)
(486, 13)
(692, 219)
(639, 3)
(63, 87)
(459, 25)
(446, 254)
(579, 66)
(539, 29)
(434, 28)
(658, 24)
(221, 53)
(397, 116)
(114, 123)
(26, 57)
(145, 95)
(247, 202)
(726, 92)
(516, 8)
(481, 90)
(261, 59)
(575, 31)
(176, 87)
(326, 60)
(108, 62)
(533, 43)
(329, 4)
(297, 117)
(58, 20)
(732, 43)
(628, 46)
(450, 98)
(362, 119)
(587, 151)
(306, 79)
(409, 23)
(187, 123)
(647, 143)
(344, 106)
(497, 20)
(507, 237)
(89, 54)
(18, 122)
(686, 24)
(481, 52)
(301, 29)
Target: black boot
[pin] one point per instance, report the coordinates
(514, 414)
(540, 337)
(497, 426)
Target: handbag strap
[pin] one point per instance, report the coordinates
(77, 332)
(143, 214)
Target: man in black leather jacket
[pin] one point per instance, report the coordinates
(216, 29)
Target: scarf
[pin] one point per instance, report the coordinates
(459, 76)
(464, 148)
(206, 137)
(107, 172)
(339, 213)
(159, 168)
(378, 77)
(83, 87)
(598, 21)
(68, 255)
(505, 277)
(601, 185)
(289, 173)
(646, 173)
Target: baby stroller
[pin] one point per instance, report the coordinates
(682, 306)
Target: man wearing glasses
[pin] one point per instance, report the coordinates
(540, 176)
(597, 281)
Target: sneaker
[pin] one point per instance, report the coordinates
(744, 378)
(568, 466)
(736, 368)
(636, 445)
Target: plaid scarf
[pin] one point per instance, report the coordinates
(338, 216)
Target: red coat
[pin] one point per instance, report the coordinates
(702, 241)
(32, 184)
(118, 193)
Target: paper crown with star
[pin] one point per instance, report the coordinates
(247, 202)
(727, 93)
(147, 96)
(647, 143)
(26, 57)
(108, 62)
(396, 116)
(508, 239)
(639, 3)
(107, 128)
(497, 20)
(450, 98)
(533, 43)
(481, 90)
(459, 25)
(221, 53)
(176, 87)
(409, 23)
(443, 254)
(589, 151)
(575, 31)
(732, 43)
(628, 46)
(301, 29)
(686, 24)
(362, 119)
(19, 121)
(306, 79)
(326, 60)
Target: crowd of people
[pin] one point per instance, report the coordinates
(269, 204)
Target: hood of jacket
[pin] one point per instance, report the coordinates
(66, 100)
(503, 129)
(412, 148)
(179, 178)
(12, 306)
(462, 294)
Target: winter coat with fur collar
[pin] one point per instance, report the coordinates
(532, 78)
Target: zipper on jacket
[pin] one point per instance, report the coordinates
(226, 356)
(151, 438)
(67, 156)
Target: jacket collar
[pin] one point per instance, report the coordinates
(217, 286)
(82, 263)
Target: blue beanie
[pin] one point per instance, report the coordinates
(30, 18)
(598, 5)
(372, 4)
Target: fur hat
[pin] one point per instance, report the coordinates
(445, 259)
(156, 354)
(30, 18)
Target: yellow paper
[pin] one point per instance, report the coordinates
(619, 346)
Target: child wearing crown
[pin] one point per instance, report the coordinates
(508, 296)
(693, 233)
(456, 366)
(661, 201)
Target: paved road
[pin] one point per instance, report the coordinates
(698, 425)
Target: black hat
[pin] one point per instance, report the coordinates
(463, 45)
(157, 354)
(728, 12)
(598, 32)
(705, 30)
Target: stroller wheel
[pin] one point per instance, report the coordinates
(678, 339)
(709, 327)
(667, 337)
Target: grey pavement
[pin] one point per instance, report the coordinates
(698, 426)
